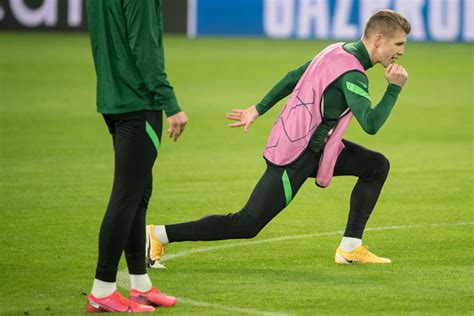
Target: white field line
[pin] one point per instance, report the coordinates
(231, 309)
(123, 280)
(285, 238)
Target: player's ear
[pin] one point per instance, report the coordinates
(378, 39)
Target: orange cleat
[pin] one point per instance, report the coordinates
(359, 255)
(154, 249)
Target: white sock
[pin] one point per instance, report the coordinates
(160, 233)
(350, 243)
(140, 282)
(101, 289)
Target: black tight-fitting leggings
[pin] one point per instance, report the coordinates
(136, 138)
(279, 185)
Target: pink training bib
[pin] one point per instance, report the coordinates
(303, 113)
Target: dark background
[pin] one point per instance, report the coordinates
(174, 16)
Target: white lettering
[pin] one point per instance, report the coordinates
(313, 11)
(443, 21)
(278, 18)
(412, 10)
(74, 13)
(341, 27)
(368, 8)
(46, 13)
(468, 20)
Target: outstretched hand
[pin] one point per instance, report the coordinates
(245, 117)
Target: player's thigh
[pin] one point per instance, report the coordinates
(279, 184)
(303, 168)
(356, 160)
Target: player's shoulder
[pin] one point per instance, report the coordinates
(355, 77)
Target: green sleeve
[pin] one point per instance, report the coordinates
(144, 24)
(282, 89)
(355, 89)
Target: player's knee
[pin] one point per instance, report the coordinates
(145, 199)
(377, 166)
(249, 226)
(381, 165)
(251, 230)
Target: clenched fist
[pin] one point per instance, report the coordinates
(396, 74)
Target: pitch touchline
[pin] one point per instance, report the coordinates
(123, 280)
(285, 238)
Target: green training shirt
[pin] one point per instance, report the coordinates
(351, 90)
(126, 40)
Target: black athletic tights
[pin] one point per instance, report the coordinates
(136, 138)
(270, 196)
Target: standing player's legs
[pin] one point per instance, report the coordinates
(136, 142)
(135, 247)
(135, 154)
(271, 195)
(372, 170)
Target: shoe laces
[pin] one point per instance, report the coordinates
(367, 252)
(122, 299)
(365, 249)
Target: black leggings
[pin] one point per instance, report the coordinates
(273, 192)
(136, 138)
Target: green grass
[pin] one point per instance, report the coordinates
(56, 169)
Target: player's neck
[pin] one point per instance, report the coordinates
(371, 50)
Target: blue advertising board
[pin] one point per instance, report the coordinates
(431, 20)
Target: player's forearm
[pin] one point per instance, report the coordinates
(156, 81)
(278, 92)
(166, 98)
(282, 89)
(372, 119)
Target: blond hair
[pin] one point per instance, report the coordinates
(386, 22)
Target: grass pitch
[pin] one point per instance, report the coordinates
(56, 167)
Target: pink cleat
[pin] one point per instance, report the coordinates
(153, 298)
(115, 303)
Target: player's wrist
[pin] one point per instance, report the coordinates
(261, 108)
(395, 87)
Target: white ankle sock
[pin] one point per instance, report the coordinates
(140, 282)
(350, 243)
(160, 233)
(101, 289)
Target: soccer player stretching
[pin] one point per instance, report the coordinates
(307, 140)
(132, 92)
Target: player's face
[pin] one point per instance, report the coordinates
(391, 48)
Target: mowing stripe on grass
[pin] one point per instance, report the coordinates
(187, 301)
(326, 234)
(124, 282)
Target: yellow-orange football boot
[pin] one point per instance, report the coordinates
(359, 255)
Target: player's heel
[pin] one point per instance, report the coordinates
(92, 309)
(341, 260)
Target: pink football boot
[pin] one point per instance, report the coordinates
(115, 303)
(153, 298)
